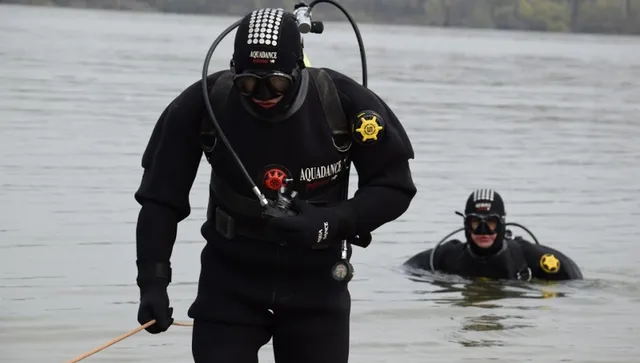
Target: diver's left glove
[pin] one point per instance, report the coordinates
(153, 280)
(311, 225)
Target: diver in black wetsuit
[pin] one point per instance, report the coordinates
(489, 252)
(292, 126)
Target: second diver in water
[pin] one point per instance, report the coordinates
(490, 252)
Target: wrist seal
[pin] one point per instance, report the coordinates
(153, 272)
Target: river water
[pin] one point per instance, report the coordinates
(550, 121)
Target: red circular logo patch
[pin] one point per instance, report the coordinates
(274, 178)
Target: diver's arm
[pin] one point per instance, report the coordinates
(385, 185)
(170, 163)
(547, 263)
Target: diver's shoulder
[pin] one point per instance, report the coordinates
(534, 251)
(520, 242)
(530, 250)
(341, 80)
(422, 258)
(188, 106)
(453, 243)
(195, 88)
(451, 246)
(531, 246)
(335, 75)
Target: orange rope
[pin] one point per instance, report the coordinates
(122, 337)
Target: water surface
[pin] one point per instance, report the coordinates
(549, 120)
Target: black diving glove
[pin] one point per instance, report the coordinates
(311, 225)
(154, 300)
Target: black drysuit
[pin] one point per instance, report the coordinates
(517, 259)
(253, 288)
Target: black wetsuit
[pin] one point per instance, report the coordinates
(252, 289)
(517, 259)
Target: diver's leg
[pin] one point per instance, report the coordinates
(312, 312)
(312, 337)
(215, 342)
(231, 311)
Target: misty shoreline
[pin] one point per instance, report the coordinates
(563, 16)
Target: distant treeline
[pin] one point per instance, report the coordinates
(579, 16)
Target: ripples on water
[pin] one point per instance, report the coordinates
(548, 120)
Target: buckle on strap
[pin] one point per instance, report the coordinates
(225, 224)
(230, 227)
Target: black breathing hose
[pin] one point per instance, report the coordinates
(363, 57)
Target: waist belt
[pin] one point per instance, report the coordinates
(230, 227)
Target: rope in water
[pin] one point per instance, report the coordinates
(123, 337)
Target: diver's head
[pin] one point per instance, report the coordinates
(484, 221)
(267, 60)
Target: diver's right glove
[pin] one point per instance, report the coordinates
(311, 225)
(153, 280)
